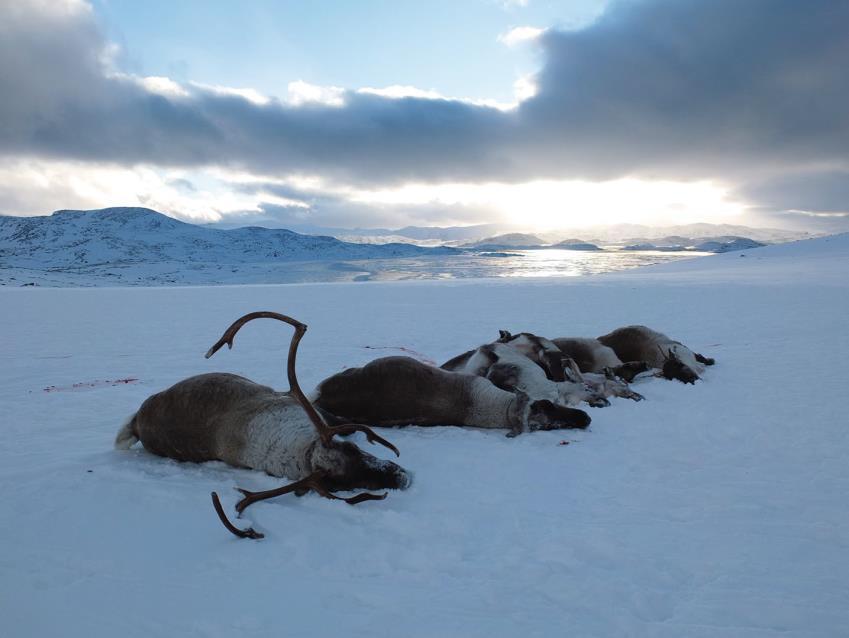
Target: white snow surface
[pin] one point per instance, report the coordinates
(718, 509)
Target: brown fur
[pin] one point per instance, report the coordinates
(189, 421)
(403, 391)
(209, 417)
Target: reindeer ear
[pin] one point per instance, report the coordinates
(504, 335)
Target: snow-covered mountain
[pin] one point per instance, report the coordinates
(576, 244)
(119, 236)
(638, 233)
(509, 240)
(725, 244)
(618, 234)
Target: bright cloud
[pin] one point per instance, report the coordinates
(525, 88)
(252, 96)
(518, 35)
(549, 204)
(37, 187)
(399, 91)
(301, 93)
(163, 86)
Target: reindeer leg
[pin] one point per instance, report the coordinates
(569, 364)
(630, 394)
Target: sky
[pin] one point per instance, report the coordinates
(536, 113)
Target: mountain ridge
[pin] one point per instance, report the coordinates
(127, 235)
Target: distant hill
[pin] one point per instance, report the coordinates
(96, 240)
(665, 235)
(704, 244)
(727, 245)
(617, 234)
(509, 240)
(575, 244)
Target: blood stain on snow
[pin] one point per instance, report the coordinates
(87, 385)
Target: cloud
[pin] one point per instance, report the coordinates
(745, 93)
(301, 93)
(816, 192)
(251, 95)
(519, 35)
(37, 187)
(689, 87)
(402, 91)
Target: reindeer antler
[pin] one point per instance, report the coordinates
(326, 432)
(314, 481)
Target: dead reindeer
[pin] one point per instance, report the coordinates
(590, 355)
(395, 391)
(538, 349)
(672, 358)
(508, 368)
(225, 417)
(598, 383)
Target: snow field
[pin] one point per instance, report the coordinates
(718, 509)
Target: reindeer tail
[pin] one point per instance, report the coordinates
(127, 434)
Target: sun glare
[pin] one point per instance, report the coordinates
(549, 205)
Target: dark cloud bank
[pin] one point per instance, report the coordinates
(754, 92)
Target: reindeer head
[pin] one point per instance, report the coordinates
(346, 467)
(674, 368)
(627, 371)
(540, 350)
(546, 415)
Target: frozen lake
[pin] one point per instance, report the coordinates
(485, 265)
(512, 263)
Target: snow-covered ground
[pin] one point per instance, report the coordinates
(718, 509)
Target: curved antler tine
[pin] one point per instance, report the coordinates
(230, 333)
(314, 482)
(305, 484)
(241, 533)
(363, 497)
(371, 436)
